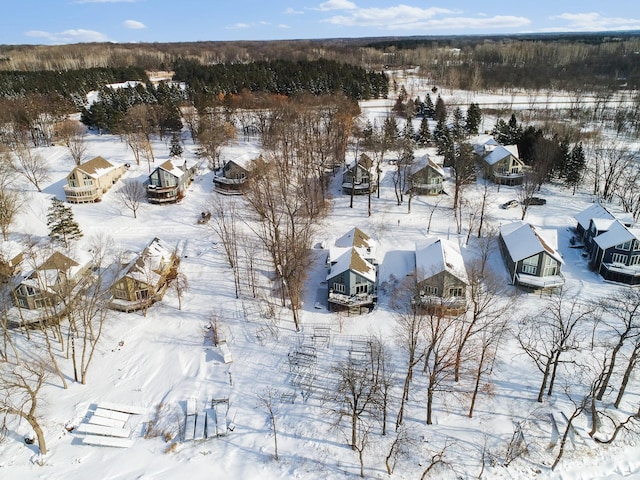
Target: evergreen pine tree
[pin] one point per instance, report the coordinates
(458, 127)
(575, 167)
(429, 109)
(62, 226)
(440, 110)
(474, 118)
(176, 149)
(423, 138)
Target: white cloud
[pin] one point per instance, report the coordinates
(291, 11)
(336, 5)
(242, 26)
(283, 25)
(592, 21)
(79, 35)
(404, 17)
(134, 24)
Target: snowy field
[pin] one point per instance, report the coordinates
(164, 360)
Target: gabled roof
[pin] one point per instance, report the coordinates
(47, 274)
(434, 256)
(364, 162)
(147, 267)
(501, 152)
(354, 238)
(524, 240)
(616, 235)
(243, 161)
(597, 211)
(351, 260)
(423, 162)
(593, 211)
(174, 169)
(95, 167)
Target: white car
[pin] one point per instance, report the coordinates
(510, 204)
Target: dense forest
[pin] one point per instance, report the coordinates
(535, 61)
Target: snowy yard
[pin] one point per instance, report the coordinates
(166, 360)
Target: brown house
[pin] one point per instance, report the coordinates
(145, 278)
(49, 283)
(11, 256)
(426, 177)
(88, 182)
(233, 176)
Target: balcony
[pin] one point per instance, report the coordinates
(508, 178)
(162, 194)
(361, 299)
(87, 194)
(228, 185)
(360, 188)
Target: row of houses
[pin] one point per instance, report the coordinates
(88, 182)
(41, 290)
(531, 257)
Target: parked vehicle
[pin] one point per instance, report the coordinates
(510, 204)
(535, 201)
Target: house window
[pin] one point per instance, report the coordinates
(550, 267)
(624, 246)
(515, 169)
(636, 245)
(530, 265)
(635, 260)
(120, 293)
(429, 290)
(142, 294)
(42, 302)
(338, 287)
(26, 290)
(362, 288)
(23, 302)
(619, 258)
(72, 181)
(456, 292)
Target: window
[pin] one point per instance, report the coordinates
(636, 245)
(515, 169)
(530, 265)
(338, 287)
(550, 267)
(619, 258)
(456, 292)
(363, 288)
(635, 260)
(42, 302)
(23, 302)
(429, 290)
(142, 294)
(624, 246)
(120, 293)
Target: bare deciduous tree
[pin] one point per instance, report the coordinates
(73, 134)
(11, 200)
(31, 166)
(132, 194)
(20, 387)
(267, 400)
(224, 224)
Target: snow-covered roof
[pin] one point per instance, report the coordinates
(47, 274)
(424, 161)
(364, 161)
(603, 224)
(354, 238)
(593, 211)
(482, 143)
(617, 234)
(147, 267)
(96, 167)
(351, 260)
(243, 161)
(435, 255)
(501, 152)
(174, 169)
(9, 250)
(524, 240)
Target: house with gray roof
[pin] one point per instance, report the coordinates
(531, 255)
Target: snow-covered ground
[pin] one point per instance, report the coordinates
(162, 360)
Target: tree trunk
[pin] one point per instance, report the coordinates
(607, 377)
(552, 380)
(627, 374)
(545, 376)
(476, 386)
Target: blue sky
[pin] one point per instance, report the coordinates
(72, 21)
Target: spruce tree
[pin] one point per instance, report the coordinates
(423, 137)
(62, 226)
(575, 167)
(474, 118)
(175, 149)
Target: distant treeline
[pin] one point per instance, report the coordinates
(319, 77)
(69, 83)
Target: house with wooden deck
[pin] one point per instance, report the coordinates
(169, 181)
(352, 279)
(359, 177)
(51, 282)
(88, 182)
(145, 277)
